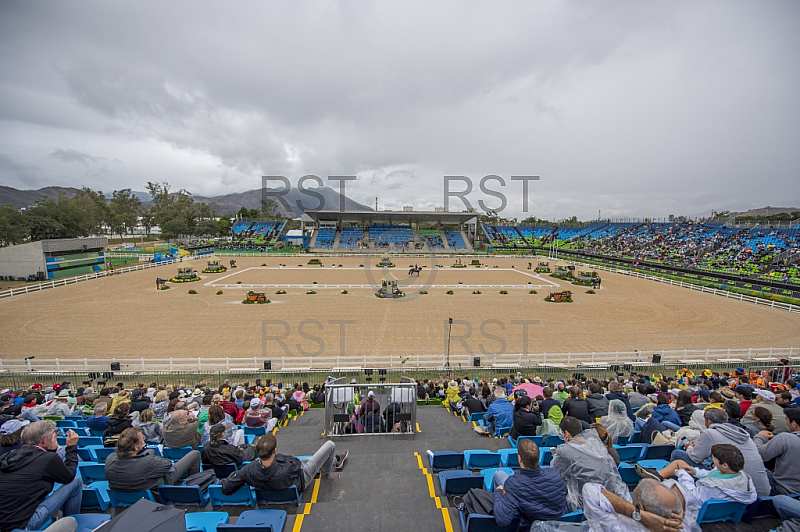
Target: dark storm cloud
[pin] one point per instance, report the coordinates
(629, 107)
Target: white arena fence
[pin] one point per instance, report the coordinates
(30, 288)
(158, 362)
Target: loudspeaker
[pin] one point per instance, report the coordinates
(656, 359)
(115, 366)
(476, 362)
(268, 365)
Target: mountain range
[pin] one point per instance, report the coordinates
(224, 204)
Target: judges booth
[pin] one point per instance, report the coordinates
(350, 411)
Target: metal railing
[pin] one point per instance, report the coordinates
(394, 412)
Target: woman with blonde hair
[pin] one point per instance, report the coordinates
(151, 429)
(160, 404)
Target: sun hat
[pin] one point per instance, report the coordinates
(453, 384)
(197, 392)
(371, 394)
(537, 379)
(12, 425)
(63, 394)
(765, 394)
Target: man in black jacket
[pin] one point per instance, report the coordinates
(139, 401)
(472, 403)
(28, 475)
(274, 472)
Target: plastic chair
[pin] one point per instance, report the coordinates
(443, 460)
(90, 521)
(654, 464)
(95, 496)
(553, 441)
(572, 517)
(476, 416)
(536, 439)
(205, 521)
(714, 511)
(545, 456)
(101, 453)
(623, 440)
(91, 472)
(86, 455)
(289, 495)
(128, 498)
(502, 431)
(182, 495)
(257, 431)
(176, 453)
(629, 475)
(658, 452)
(488, 476)
(484, 523)
(477, 459)
(509, 458)
(66, 424)
(96, 432)
(257, 521)
(458, 482)
(222, 471)
(629, 453)
(244, 496)
(86, 441)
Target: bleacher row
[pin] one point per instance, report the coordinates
(98, 497)
(388, 236)
(459, 472)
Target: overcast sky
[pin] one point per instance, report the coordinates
(632, 108)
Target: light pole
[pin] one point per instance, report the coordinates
(449, 328)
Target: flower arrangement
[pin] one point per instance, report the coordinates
(281, 292)
(219, 292)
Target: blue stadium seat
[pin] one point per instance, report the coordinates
(86, 441)
(442, 460)
(629, 475)
(572, 517)
(538, 440)
(553, 441)
(502, 431)
(255, 430)
(101, 453)
(458, 482)
(91, 472)
(96, 432)
(484, 523)
(476, 416)
(624, 440)
(257, 521)
(182, 495)
(128, 498)
(654, 464)
(488, 476)
(86, 455)
(509, 458)
(629, 453)
(289, 495)
(66, 424)
(715, 511)
(222, 471)
(244, 496)
(763, 507)
(89, 522)
(205, 521)
(176, 453)
(658, 452)
(545, 456)
(95, 497)
(477, 459)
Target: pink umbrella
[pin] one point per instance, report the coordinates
(532, 389)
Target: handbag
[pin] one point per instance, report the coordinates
(203, 479)
(479, 501)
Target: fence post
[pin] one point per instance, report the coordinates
(227, 364)
(569, 356)
(58, 365)
(199, 363)
(170, 363)
(86, 364)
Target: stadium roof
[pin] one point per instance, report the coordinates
(392, 217)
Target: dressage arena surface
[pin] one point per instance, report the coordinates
(124, 316)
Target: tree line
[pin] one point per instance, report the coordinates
(90, 212)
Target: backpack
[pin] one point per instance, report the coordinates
(479, 501)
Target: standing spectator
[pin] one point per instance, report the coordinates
(131, 468)
(785, 448)
(28, 476)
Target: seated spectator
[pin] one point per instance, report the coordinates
(151, 429)
(104, 398)
(788, 509)
(239, 398)
(684, 407)
(300, 396)
(734, 411)
(617, 423)
(499, 414)
(472, 403)
(139, 400)
(317, 397)
(782, 447)
(561, 393)
(181, 430)
(452, 397)
(655, 506)
(269, 402)
(615, 392)
(665, 415)
(598, 403)
(584, 459)
(160, 404)
(766, 399)
(785, 400)
(547, 407)
(697, 424)
(124, 396)
(762, 420)
(726, 481)
(11, 434)
(639, 398)
(719, 431)
(292, 404)
(29, 473)
(602, 433)
(526, 418)
(134, 468)
(744, 395)
(99, 421)
(217, 416)
(273, 471)
(60, 406)
(577, 407)
(228, 406)
(531, 494)
(257, 416)
(119, 420)
(219, 452)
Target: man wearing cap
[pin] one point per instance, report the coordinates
(9, 438)
(28, 475)
(139, 400)
(766, 399)
(59, 406)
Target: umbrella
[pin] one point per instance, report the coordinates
(532, 389)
